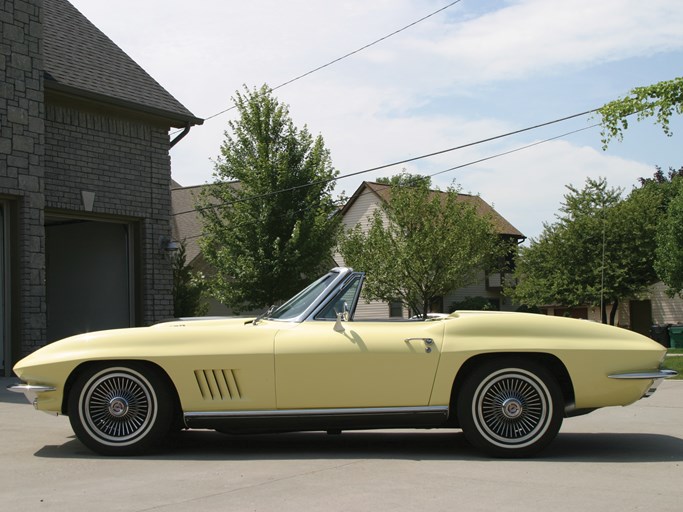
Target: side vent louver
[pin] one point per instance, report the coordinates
(218, 384)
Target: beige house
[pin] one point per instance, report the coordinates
(187, 227)
(360, 209)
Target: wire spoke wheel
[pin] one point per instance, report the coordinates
(510, 408)
(119, 406)
(120, 410)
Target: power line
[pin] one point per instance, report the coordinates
(521, 148)
(347, 55)
(400, 162)
(467, 164)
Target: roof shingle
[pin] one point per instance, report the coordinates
(79, 58)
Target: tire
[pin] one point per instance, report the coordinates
(121, 410)
(510, 408)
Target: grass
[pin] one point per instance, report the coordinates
(675, 363)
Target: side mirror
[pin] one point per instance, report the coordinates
(338, 327)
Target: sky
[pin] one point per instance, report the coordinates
(478, 69)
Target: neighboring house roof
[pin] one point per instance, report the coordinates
(482, 207)
(186, 224)
(80, 60)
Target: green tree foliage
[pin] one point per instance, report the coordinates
(421, 244)
(269, 233)
(669, 253)
(474, 304)
(188, 287)
(660, 100)
(599, 250)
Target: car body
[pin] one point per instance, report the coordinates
(506, 379)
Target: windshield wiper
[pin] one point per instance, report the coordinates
(263, 315)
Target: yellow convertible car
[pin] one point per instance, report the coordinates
(506, 379)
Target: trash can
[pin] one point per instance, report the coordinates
(660, 333)
(676, 336)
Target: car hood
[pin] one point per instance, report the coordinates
(174, 337)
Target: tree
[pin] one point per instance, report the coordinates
(188, 287)
(269, 233)
(669, 252)
(421, 244)
(662, 100)
(599, 251)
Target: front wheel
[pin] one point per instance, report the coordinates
(120, 410)
(510, 408)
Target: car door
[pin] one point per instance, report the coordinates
(341, 364)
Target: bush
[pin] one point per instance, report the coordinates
(475, 304)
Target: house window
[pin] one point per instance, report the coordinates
(396, 309)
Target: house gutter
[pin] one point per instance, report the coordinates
(182, 134)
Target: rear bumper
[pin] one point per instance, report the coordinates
(655, 376)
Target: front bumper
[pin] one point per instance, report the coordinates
(30, 391)
(655, 376)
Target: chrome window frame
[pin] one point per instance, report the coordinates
(344, 274)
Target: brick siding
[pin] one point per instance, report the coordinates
(49, 154)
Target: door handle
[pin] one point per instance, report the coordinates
(427, 341)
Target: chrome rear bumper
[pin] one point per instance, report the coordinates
(655, 376)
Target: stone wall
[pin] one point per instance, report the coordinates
(125, 167)
(50, 153)
(21, 163)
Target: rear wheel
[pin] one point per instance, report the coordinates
(120, 410)
(510, 407)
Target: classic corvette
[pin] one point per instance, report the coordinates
(506, 379)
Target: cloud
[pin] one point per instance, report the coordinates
(537, 36)
(528, 187)
(444, 82)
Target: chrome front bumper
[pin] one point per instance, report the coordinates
(656, 377)
(30, 391)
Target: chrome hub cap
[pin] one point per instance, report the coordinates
(512, 407)
(118, 406)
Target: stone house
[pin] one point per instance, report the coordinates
(84, 180)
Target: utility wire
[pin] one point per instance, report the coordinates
(400, 162)
(467, 164)
(338, 59)
(513, 150)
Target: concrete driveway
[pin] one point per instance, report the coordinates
(616, 459)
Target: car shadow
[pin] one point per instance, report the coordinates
(443, 445)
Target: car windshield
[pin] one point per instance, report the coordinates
(302, 300)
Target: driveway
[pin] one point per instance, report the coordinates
(616, 459)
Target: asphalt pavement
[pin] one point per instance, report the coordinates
(615, 459)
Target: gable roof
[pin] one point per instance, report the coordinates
(80, 60)
(383, 192)
(186, 221)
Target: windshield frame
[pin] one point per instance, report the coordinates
(339, 277)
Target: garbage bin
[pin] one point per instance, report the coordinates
(660, 333)
(676, 336)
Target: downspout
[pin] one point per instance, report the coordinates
(185, 131)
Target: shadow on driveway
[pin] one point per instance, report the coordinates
(415, 445)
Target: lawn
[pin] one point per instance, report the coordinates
(675, 363)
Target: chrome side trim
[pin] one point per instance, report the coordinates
(317, 412)
(659, 374)
(30, 391)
